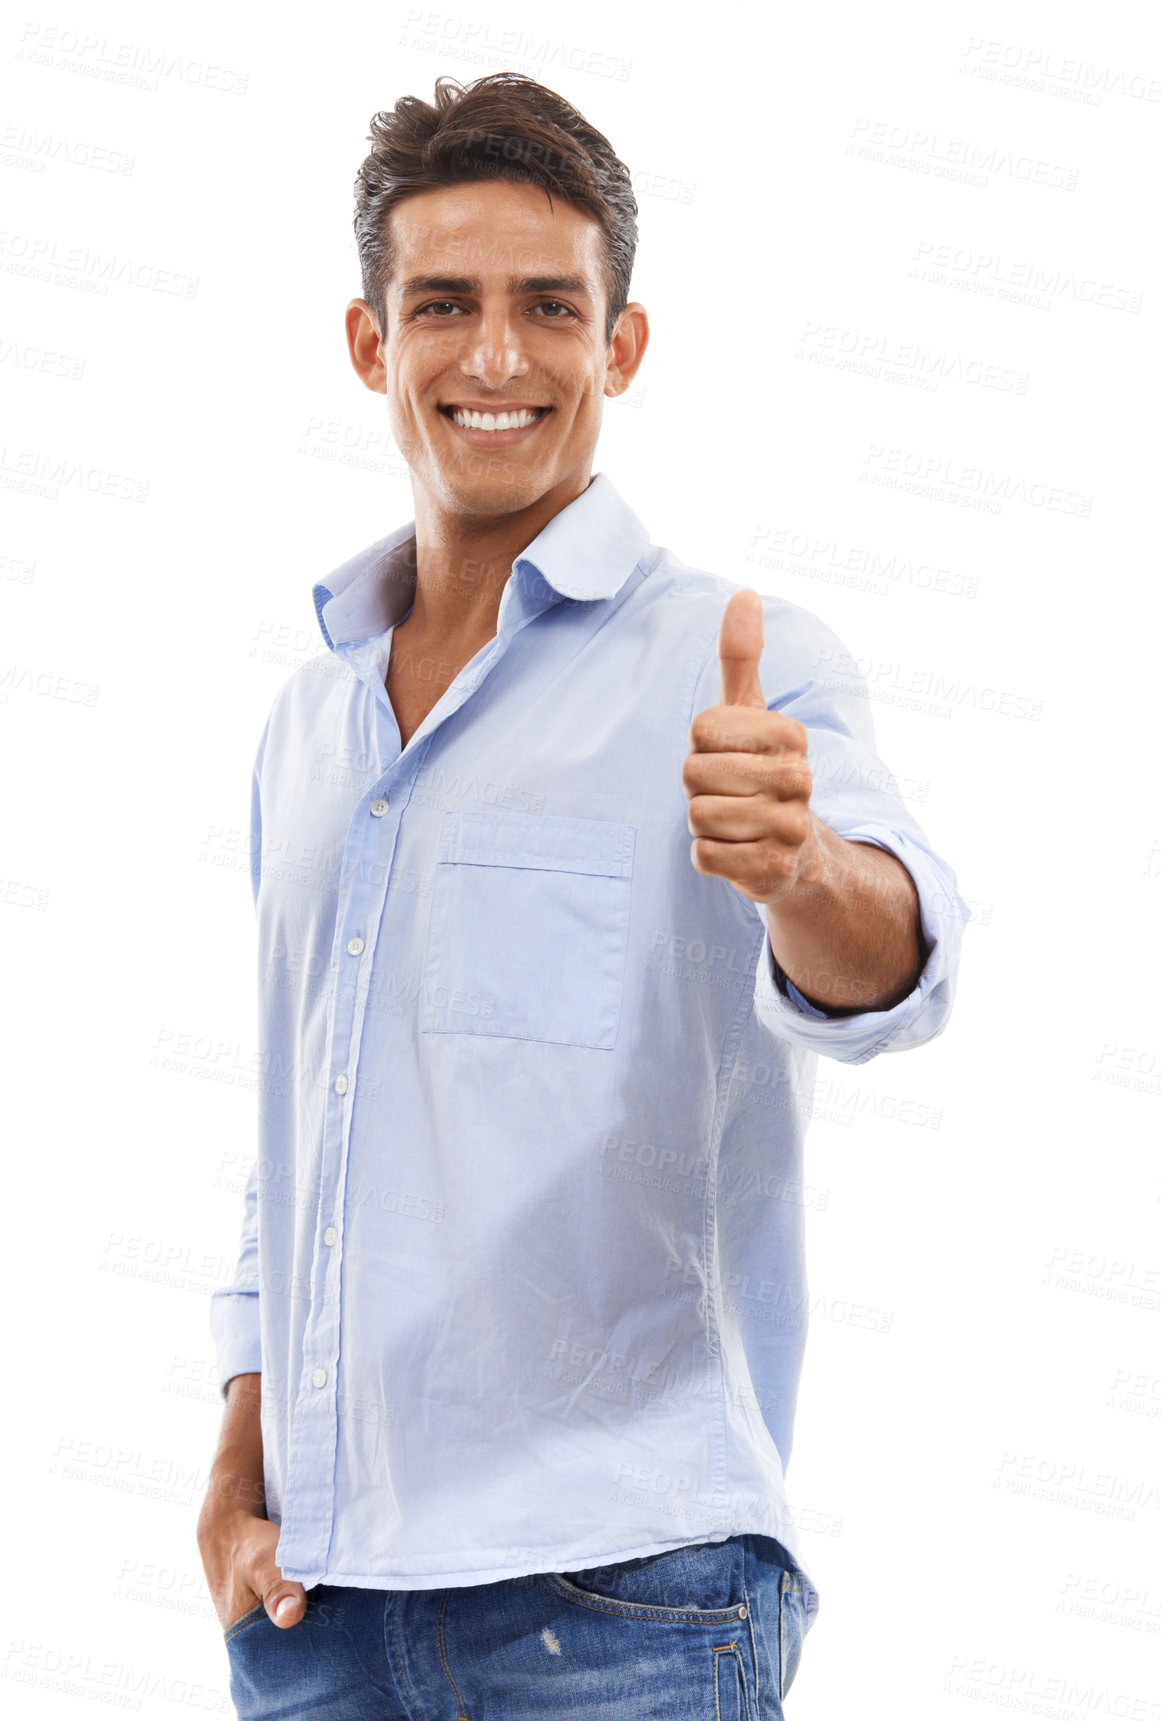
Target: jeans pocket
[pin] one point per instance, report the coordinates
(529, 928)
(702, 1583)
(248, 1618)
(731, 1687)
(791, 1628)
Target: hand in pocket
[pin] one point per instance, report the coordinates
(237, 1552)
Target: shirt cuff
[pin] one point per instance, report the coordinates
(854, 1039)
(784, 981)
(234, 1324)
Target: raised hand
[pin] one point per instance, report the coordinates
(746, 777)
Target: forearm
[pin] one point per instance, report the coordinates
(237, 1541)
(848, 933)
(236, 1474)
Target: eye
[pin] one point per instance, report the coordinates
(437, 305)
(547, 304)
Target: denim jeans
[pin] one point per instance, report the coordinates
(711, 1632)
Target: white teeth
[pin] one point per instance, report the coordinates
(490, 421)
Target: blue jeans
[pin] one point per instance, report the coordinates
(711, 1632)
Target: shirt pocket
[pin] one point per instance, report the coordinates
(529, 928)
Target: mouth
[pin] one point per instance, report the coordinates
(492, 427)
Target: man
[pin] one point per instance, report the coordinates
(568, 861)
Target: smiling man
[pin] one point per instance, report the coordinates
(569, 860)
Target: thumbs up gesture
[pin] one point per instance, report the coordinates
(746, 777)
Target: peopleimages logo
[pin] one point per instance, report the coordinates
(984, 272)
(1040, 68)
(828, 559)
(884, 358)
(932, 152)
(477, 40)
(870, 678)
(941, 478)
(135, 65)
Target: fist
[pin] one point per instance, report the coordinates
(746, 777)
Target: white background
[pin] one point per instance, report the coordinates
(915, 190)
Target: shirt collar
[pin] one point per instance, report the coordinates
(587, 551)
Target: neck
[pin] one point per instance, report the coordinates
(463, 561)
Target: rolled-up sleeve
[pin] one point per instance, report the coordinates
(807, 673)
(234, 1318)
(234, 1313)
(919, 1016)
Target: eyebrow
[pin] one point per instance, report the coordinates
(517, 284)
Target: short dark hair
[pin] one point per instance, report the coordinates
(503, 126)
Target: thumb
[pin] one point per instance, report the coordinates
(740, 649)
(284, 1600)
(288, 1603)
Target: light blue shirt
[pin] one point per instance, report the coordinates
(522, 1256)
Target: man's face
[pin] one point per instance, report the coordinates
(496, 305)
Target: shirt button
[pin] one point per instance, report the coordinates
(330, 1235)
(319, 1377)
(378, 808)
(355, 947)
(341, 1084)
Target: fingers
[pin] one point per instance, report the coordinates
(736, 729)
(755, 869)
(781, 776)
(241, 1599)
(748, 819)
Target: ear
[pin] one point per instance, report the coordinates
(365, 347)
(626, 349)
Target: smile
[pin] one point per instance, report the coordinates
(515, 418)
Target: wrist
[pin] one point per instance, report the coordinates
(815, 876)
(847, 932)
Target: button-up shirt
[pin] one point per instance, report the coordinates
(521, 1262)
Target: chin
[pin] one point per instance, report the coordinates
(489, 496)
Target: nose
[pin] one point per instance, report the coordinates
(492, 351)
